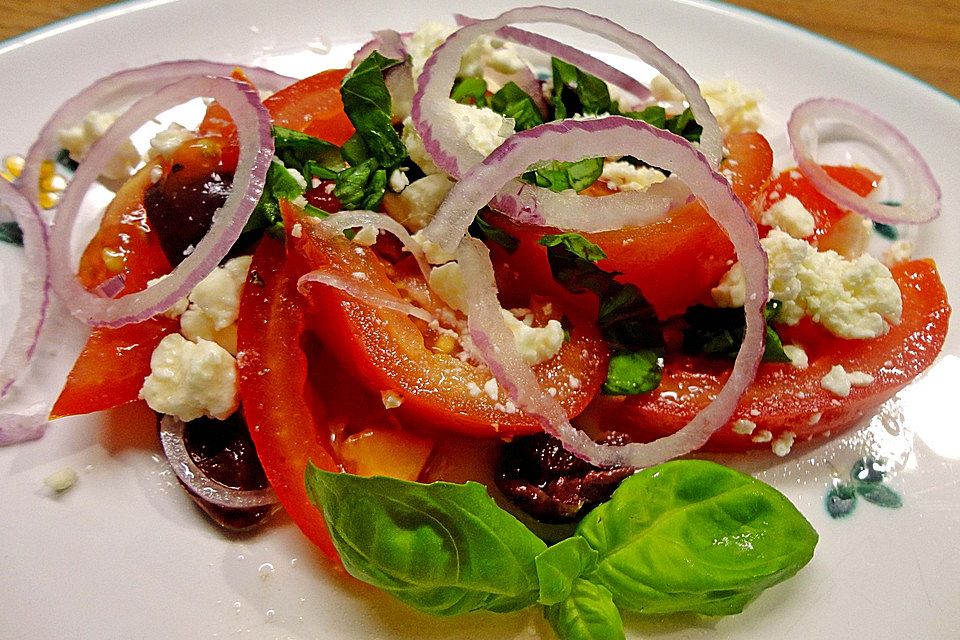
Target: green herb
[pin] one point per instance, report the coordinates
(302, 152)
(577, 92)
(560, 176)
(471, 90)
(11, 233)
(887, 231)
(513, 102)
(684, 536)
(841, 500)
(442, 548)
(693, 536)
(483, 230)
(361, 186)
(719, 332)
(866, 481)
(368, 105)
(65, 161)
(625, 319)
(280, 184)
(588, 614)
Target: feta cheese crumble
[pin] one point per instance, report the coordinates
(535, 344)
(191, 379)
(415, 206)
(736, 110)
(78, 139)
(850, 298)
(784, 443)
(623, 176)
(215, 303)
(839, 381)
(789, 215)
(169, 140)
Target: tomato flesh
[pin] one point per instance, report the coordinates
(783, 398)
(313, 106)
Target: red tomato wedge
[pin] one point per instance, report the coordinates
(785, 398)
(274, 391)
(389, 351)
(313, 106)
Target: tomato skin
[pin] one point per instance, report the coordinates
(313, 106)
(784, 398)
(273, 389)
(386, 350)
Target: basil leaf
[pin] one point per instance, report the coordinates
(279, 185)
(482, 229)
(297, 150)
(577, 92)
(514, 102)
(361, 186)
(588, 614)
(471, 90)
(633, 372)
(654, 114)
(694, 536)
(682, 124)
(369, 107)
(559, 567)
(441, 548)
(11, 233)
(560, 176)
(626, 319)
(719, 332)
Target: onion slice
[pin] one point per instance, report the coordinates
(921, 202)
(199, 483)
(362, 291)
(256, 151)
(437, 127)
(570, 141)
(344, 220)
(115, 93)
(34, 285)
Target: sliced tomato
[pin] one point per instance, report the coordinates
(390, 352)
(784, 398)
(313, 106)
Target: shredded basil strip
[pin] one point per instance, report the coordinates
(719, 332)
(513, 102)
(472, 90)
(11, 233)
(368, 105)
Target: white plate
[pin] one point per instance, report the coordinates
(125, 555)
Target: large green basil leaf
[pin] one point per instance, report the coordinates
(588, 614)
(559, 567)
(694, 536)
(368, 105)
(441, 548)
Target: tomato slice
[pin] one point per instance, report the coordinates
(313, 106)
(390, 352)
(274, 389)
(784, 398)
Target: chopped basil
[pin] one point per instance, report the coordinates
(471, 90)
(65, 161)
(682, 124)
(483, 230)
(560, 176)
(299, 151)
(11, 233)
(577, 92)
(626, 319)
(719, 332)
(368, 105)
(280, 184)
(885, 230)
(513, 102)
(361, 186)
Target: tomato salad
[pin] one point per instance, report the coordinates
(479, 239)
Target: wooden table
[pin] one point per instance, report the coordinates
(922, 37)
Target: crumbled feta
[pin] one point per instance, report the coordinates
(447, 282)
(484, 129)
(744, 427)
(735, 109)
(415, 149)
(367, 236)
(486, 52)
(839, 382)
(763, 435)
(535, 344)
(782, 445)
(215, 303)
(169, 140)
(191, 379)
(623, 176)
(61, 480)
(850, 298)
(474, 389)
(391, 399)
(491, 388)
(798, 357)
(398, 180)
(898, 251)
(849, 236)
(791, 216)
(414, 206)
(297, 230)
(431, 250)
(423, 41)
(78, 139)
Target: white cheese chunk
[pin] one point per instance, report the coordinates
(169, 140)
(215, 303)
(78, 139)
(839, 381)
(191, 379)
(788, 214)
(623, 176)
(535, 344)
(415, 206)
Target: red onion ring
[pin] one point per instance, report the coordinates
(34, 285)
(572, 140)
(117, 91)
(362, 291)
(434, 123)
(199, 483)
(256, 151)
(576, 57)
(922, 201)
(344, 220)
(388, 42)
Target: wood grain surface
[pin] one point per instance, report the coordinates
(921, 37)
